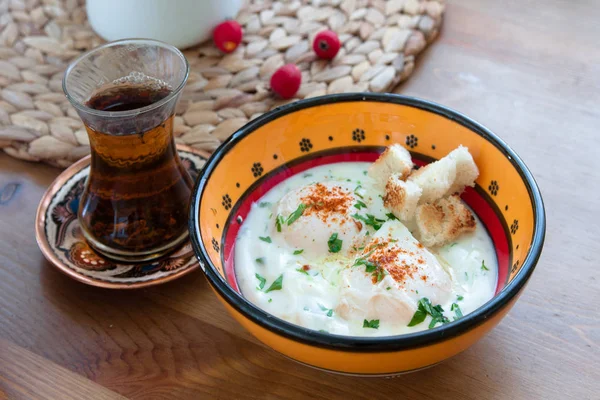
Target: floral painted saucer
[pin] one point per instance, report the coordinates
(60, 238)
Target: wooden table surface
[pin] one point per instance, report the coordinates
(530, 71)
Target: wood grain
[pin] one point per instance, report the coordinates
(32, 376)
(530, 71)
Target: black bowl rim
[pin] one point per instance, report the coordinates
(360, 343)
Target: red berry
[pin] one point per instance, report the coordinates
(227, 36)
(326, 44)
(286, 81)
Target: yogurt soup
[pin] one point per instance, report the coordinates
(322, 250)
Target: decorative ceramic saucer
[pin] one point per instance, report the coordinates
(60, 238)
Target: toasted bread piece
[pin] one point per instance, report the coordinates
(443, 221)
(466, 170)
(434, 179)
(394, 160)
(401, 197)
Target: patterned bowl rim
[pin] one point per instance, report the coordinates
(46, 248)
(359, 343)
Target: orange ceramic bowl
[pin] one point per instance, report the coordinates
(357, 127)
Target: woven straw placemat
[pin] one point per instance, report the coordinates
(380, 40)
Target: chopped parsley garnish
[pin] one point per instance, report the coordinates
(453, 244)
(266, 239)
(359, 204)
(419, 316)
(261, 281)
(296, 214)
(365, 173)
(278, 222)
(323, 308)
(270, 300)
(381, 273)
(356, 191)
(456, 310)
(459, 297)
(426, 308)
(370, 267)
(388, 288)
(391, 216)
(299, 251)
(276, 285)
(302, 271)
(307, 175)
(264, 204)
(335, 244)
(483, 267)
(373, 324)
(260, 260)
(369, 220)
(438, 317)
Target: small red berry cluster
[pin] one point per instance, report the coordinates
(287, 79)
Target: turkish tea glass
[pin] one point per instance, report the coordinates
(134, 206)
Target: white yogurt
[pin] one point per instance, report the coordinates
(331, 293)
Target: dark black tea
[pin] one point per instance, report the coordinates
(138, 191)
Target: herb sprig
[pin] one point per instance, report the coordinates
(483, 267)
(266, 239)
(373, 324)
(279, 220)
(296, 214)
(426, 308)
(359, 204)
(356, 191)
(276, 285)
(457, 311)
(370, 267)
(370, 219)
(261, 281)
(391, 216)
(335, 244)
(323, 308)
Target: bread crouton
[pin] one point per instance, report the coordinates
(401, 197)
(394, 160)
(434, 179)
(466, 170)
(443, 221)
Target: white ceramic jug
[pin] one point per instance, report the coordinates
(182, 23)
